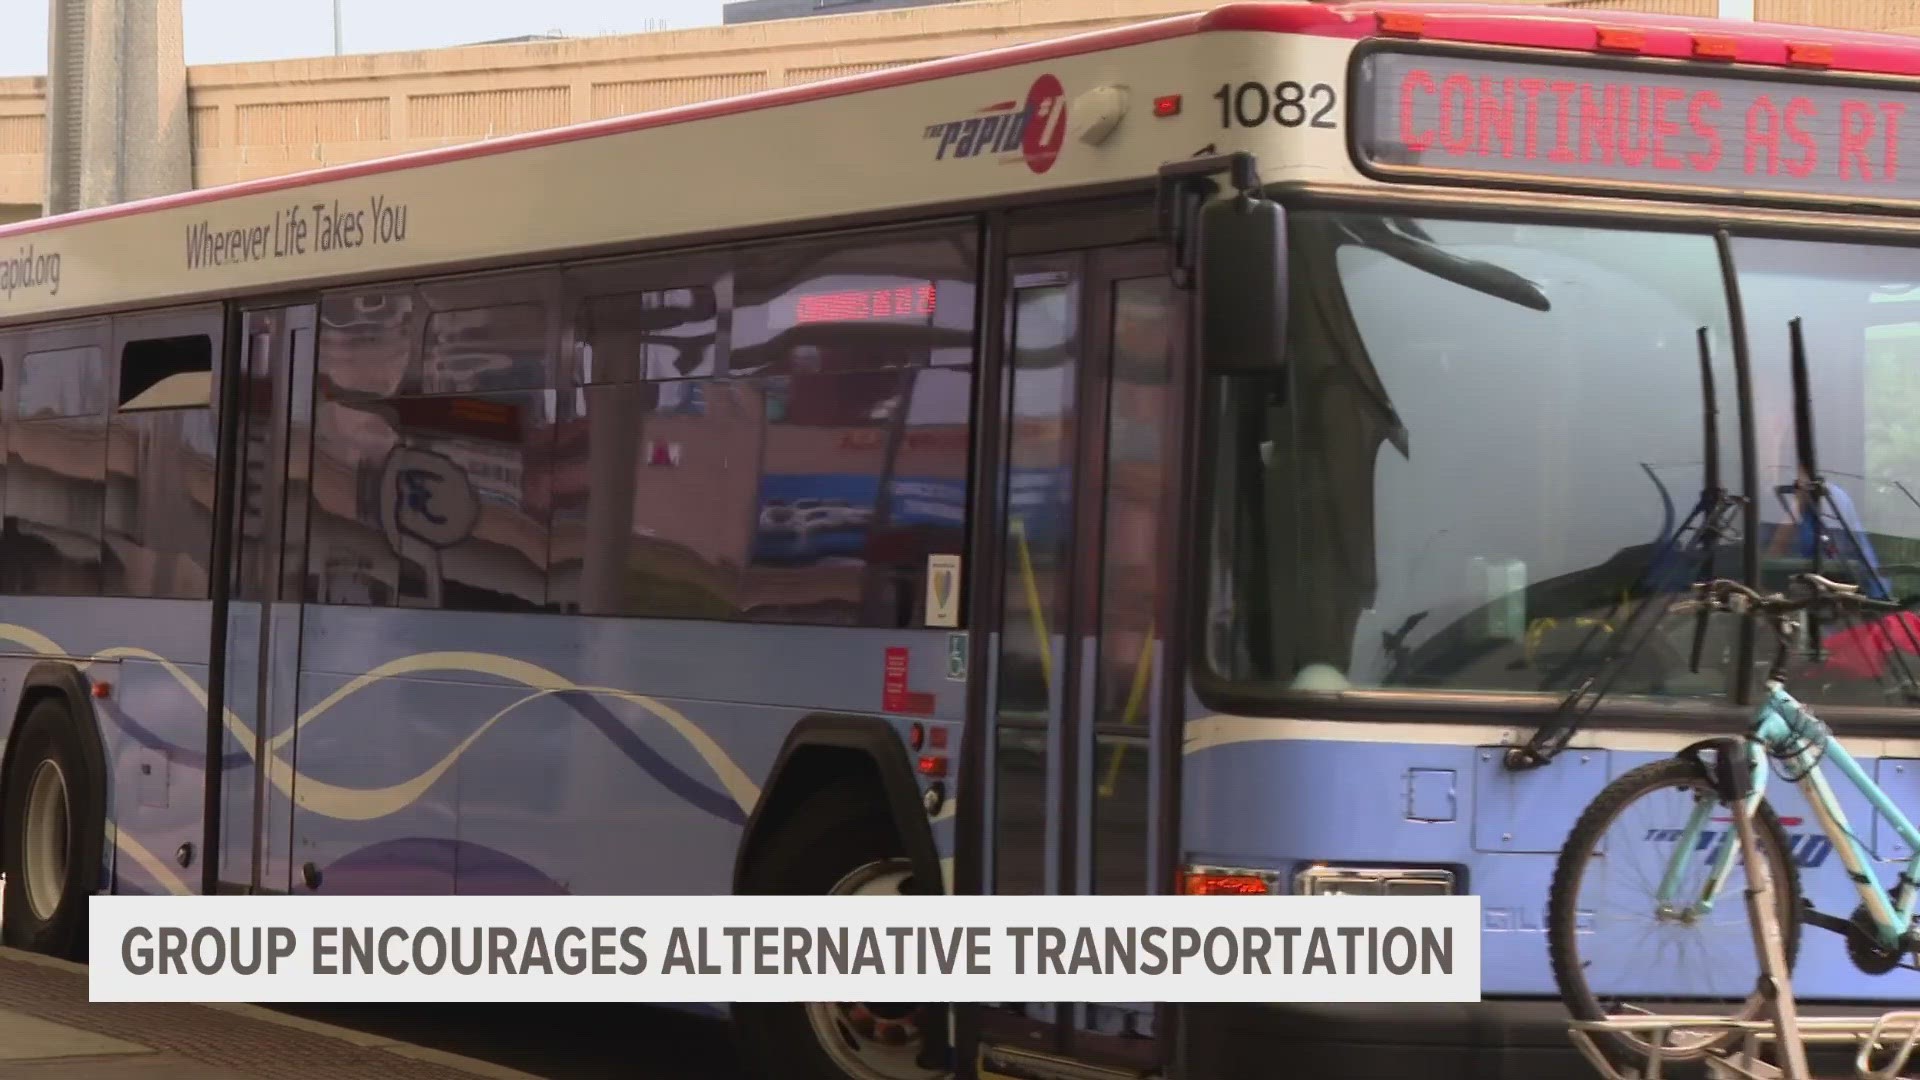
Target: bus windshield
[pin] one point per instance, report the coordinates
(1445, 490)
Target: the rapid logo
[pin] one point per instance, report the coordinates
(1008, 130)
(1809, 849)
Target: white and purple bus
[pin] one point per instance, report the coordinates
(1176, 458)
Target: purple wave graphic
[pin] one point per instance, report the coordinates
(190, 758)
(595, 712)
(424, 865)
(584, 705)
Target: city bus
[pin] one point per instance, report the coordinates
(1186, 458)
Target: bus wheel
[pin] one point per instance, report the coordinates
(48, 815)
(836, 845)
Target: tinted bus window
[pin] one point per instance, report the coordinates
(431, 501)
(806, 478)
(56, 471)
(670, 333)
(62, 382)
(855, 304)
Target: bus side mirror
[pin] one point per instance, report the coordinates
(1243, 285)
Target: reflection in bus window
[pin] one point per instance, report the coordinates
(1133, 604)
(863, 478)
(438, 500)
(1859, 319)
(653, 334)
(55, 497)
(650, 501)
(368, 338)
(56, 474)
(491, 348)
(62, 382)
(159, 503)
(854, 304)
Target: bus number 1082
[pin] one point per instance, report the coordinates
(1289, 104)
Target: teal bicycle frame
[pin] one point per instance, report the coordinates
(1785, 728)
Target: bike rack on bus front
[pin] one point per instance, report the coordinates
(1895, 1033)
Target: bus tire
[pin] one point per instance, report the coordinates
(50, 826)
(839, 840)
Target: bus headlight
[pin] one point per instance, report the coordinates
(1322, 880)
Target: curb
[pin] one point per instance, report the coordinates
(362, 1039)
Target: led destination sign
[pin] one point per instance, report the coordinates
(1604, 127)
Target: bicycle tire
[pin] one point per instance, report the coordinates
(1569, 973)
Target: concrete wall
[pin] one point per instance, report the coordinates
(252, 120)
(118, 88)
(745, 11)
(265, 119)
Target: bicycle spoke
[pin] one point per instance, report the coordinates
(1629, 957)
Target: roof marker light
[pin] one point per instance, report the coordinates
(1166, 106)
(1404, 23)
(1806, 55)
(1616, 39)
(1715, 48)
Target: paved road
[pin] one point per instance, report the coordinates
(557, 1042)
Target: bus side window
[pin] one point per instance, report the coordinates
(859, 350)
(443, 388)
(56, 464)
(157, 517)
(651, 484)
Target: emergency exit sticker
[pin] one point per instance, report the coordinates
(894, 695)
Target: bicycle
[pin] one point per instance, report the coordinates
(1720, 778)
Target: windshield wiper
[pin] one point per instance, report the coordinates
(1709, 521)
(1416, 250)
(1816, 500)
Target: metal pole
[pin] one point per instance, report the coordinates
(338, 48)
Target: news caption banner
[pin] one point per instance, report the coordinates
(784, 949)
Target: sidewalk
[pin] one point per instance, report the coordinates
(50, 1031)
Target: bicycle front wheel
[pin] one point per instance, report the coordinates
(1618, 952)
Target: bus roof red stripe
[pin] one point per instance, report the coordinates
(1667, 36)
(1537, 27)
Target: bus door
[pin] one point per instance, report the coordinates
(269, 581)
(1079, 747)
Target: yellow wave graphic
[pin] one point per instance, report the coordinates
(367, 804)
(154, 865)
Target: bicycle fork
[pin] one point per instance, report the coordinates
(1740, 775)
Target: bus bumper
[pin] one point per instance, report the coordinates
(1488, 1040)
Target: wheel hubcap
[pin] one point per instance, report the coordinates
(873, 1040)
(44, 847)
